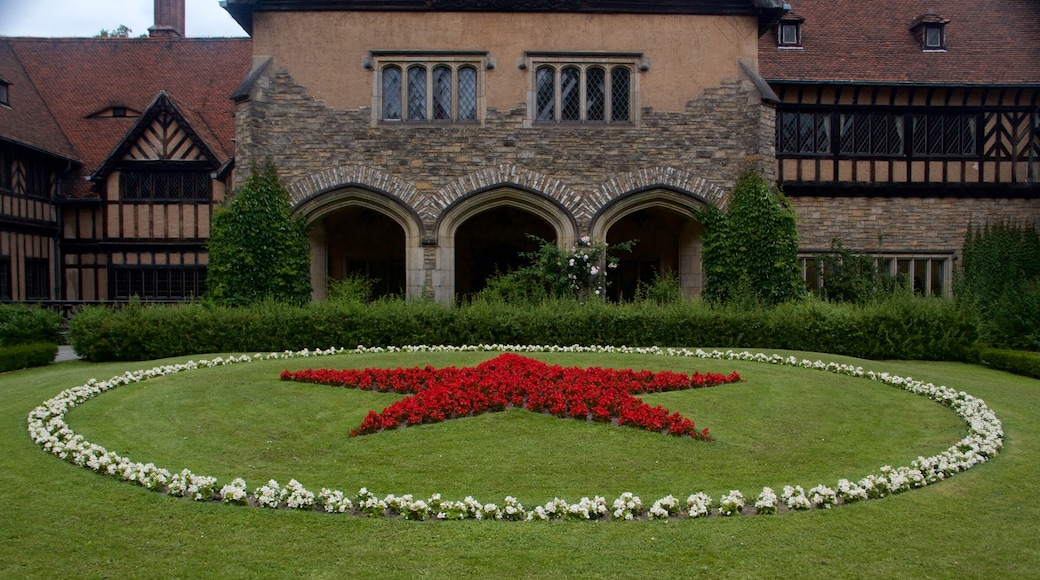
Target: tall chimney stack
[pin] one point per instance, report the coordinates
(169, 19)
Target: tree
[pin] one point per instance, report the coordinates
(123, 31)
(257, 250)
(751, 250)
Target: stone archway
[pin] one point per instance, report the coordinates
(356, 231)
(668, 239)
(486, 230)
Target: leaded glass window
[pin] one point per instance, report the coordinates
(803, 132)
(620, 84)
(417, 93)
(944, 134)
(583, 93)
(392, 93)
(570, 94)
(545, 100)
(442, 93)
(437, 92)
(467, 94)
(871, 133)
(595, 91)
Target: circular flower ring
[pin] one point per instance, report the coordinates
(985, 439)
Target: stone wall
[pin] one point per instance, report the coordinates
(919, 225)
(702, 149)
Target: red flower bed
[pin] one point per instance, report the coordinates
(511, 380)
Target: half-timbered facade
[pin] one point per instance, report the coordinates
(901, 123)
(113, 155)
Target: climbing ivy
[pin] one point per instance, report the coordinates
(1000, 283)
(257, 250)
(750, 252)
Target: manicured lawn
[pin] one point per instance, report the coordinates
(782, 426)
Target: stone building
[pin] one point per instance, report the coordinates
(424, 142)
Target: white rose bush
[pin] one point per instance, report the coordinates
(984, 440)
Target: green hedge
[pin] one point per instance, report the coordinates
(23, 356)
(23, 324)
(1013, 361)
(901, 328)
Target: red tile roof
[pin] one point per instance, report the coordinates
(28, 121)
(988, 42)
(78, 77)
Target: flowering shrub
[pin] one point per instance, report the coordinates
(766, 502)
(515, 381)
(698, 505)
(794, 498)
(235, 492)
(984, 440)
(627, 506)
(731, 503)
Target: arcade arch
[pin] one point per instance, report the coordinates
(668, 237)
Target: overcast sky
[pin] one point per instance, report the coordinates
(87, 17)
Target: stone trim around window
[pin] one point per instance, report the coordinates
(428, 87)
(583, 88)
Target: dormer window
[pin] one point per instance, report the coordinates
(930, 31)
(933, 37)
(118, 111)
(789, 31)
(5, 94)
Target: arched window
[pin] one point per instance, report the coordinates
(442, 93)
(583, 93)
(467, 94)
(545, 105)
(417, 93)
(429, 90)
(595, 91)
(392, 93)
(570, 94)
(620, 93)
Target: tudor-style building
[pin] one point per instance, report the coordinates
(425, 141)
(902, 122)
(113, 154)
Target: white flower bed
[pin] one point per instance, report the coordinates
(985, 439)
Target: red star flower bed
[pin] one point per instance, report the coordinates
(511, 380)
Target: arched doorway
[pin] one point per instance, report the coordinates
(494, 241)
(663, 223)
(663, 238)
(365, 243)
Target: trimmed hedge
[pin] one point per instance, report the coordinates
(22, 356)
(900, 328)
(24, 323)
(1013, 361)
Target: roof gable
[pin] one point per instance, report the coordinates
(79, 77)
(162, 133)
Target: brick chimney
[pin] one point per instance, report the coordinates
(169, 19)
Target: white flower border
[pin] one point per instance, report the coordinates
(985, 439)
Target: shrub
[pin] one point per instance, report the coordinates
(1000, 284)
(750, 252)
(1012, 361)
(855, 277)
(899, 328)
(22, 323)
(22, 356)
(257, 250)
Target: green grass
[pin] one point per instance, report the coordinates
(783, 426)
